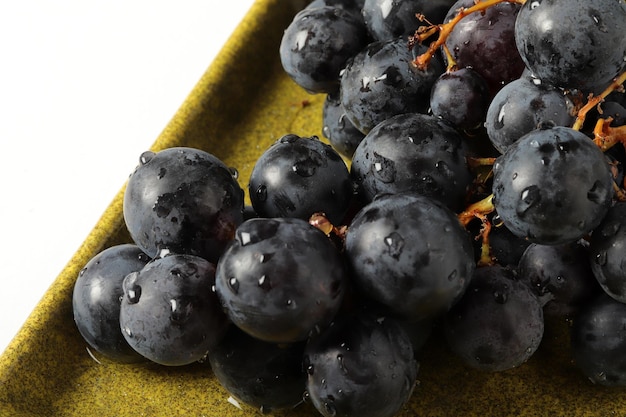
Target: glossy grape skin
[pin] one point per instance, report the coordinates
(363, 365)
(281, 279)
(461, 98)
(607, 252)
(410, 254)
(381, 82)
(412, 152)
(317, 44)
(264, 375)
(485, 41)
(521, 106)
(96, 300)
(560, 275)
(598, 341)
(299, 176)
(387, 19)
(338, 129)
(169, 312)
(184, 200)
(498, 323)
(573, 44)
(552, 186)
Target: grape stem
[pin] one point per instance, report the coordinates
(479, 210)
(444, 29)
(593, 101)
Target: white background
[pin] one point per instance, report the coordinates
(85, 87)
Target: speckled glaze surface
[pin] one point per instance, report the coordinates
(243, 103)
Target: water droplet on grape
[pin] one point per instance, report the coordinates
(305, 168)
(133, 294)
(330, 409)
(146, 157)
(444, 169)
(234, 172)
(291, 138)
(342, 365)
(264, 282)
(597, 193)
(534, 5)
(500, 122)
(261, 193)
(310, 369)
(452, 276)
(529, 197)
(384, 169)
(161, 173)
(128, 332)
(395, 244)
(500, 297)
(180, 309)
(233, 284)
(244, 238)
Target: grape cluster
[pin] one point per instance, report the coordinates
(482, 194)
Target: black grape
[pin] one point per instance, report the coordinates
(521, 106)
(410, 254)
(498, 323)
(338, 129)
(184, 200)
(264, 375)
(485, 42)
(573, 44)
(412, 152)
(316, 45)
(599, 341)
(607, 252)
(297, 177)
(363, 365)
(560, 275)
(461, 98)
(552, 186)
(169, 312)
(281, 279)
(96, 300)
(381, 81)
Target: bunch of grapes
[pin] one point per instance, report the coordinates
(471, 184)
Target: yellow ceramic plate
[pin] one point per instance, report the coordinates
(243, 103)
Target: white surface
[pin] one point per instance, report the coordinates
(85, 87)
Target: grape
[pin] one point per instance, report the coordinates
(521, 106)
(412, 152)
(486, 42)
(388, 19)
(573, 44)
(350, 5)
(184, 200)
(316, 45)
(552, 186)
(461, 98)
(505, 246)
(498, 323)
(281, 279)
(261, 374)
(599, 340)
(96, 300)
(297, 177)
(410, 254)
(340, 131)
(560, 275)
(607, 254)
(381, 81)
(169, 313)
(362, 365)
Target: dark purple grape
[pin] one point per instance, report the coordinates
(552, 186)
(96, 300)
(410, 254)
(338, 129)
(281, 279)
(317, 44)
(505, 246)
(184, 200)
(354, 6)
(573, 44)
(264, 375)
(381, 81)
(560, 275)
(485, 41)
(297, 177)
(607, 252)
(170, 313)
(388, 19)
(461, 98)
(599, 341)
(363, 365)
(522, 106)
(412, 152)
(498, 323)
